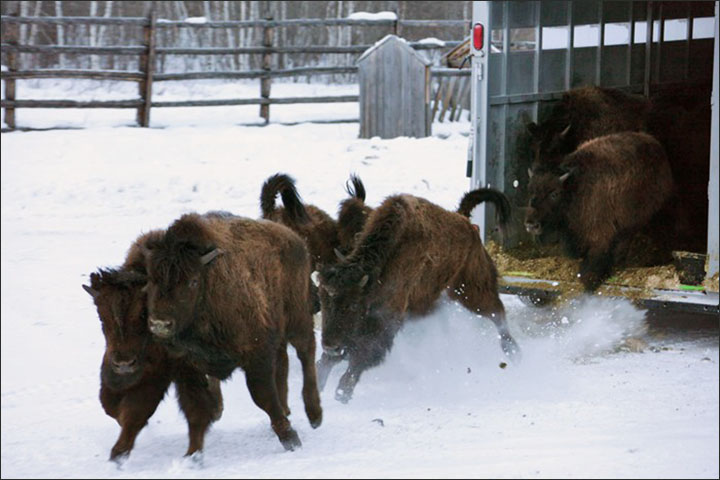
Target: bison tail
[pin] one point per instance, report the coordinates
(357, 189)
(285, 186)
(475, 197)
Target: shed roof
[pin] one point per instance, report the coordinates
(387, 39)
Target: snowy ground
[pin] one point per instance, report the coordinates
(73, 200)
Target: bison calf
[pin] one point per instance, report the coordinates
(599, 197)
(409, 251)
(135, 371)
(229, 292)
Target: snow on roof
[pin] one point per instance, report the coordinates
(432, 41)
(403, 42)
(372, 16)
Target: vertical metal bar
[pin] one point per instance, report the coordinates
(688, 41)
(571, 41)
(713, 196)
(628, 71)
(506, 49)
(538, 47)
(479, 96)
(661, 38)
(648, 48)
(601, 41)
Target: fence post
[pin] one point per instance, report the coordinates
(11, 35)
(147, 64)
(265, 81)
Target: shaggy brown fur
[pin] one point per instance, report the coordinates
(136, 372)
(316, 227)
(585, 113)
(232, 292)
(606, 191)
(352, 214)
(408, 253)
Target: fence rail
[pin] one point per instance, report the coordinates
(147, 52)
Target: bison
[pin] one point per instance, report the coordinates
(229, 292)
(135, 371)
(599, 196)
(583, 114)
(352, 214)
(409, 251)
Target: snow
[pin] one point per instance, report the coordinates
(372, 16)
(432, 41)
(441, 405)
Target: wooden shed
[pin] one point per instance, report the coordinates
(394, 90)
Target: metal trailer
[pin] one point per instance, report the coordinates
(525, 55)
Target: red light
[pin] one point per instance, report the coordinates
(478, 36)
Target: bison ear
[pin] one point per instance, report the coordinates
(93, 293)
(210, 256)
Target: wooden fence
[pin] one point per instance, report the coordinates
(147, 53)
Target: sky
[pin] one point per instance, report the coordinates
(585, 402)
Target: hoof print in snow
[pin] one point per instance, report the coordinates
(379, 421)
(502, 365)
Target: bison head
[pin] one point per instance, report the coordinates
(547, 192)
(177, 268)
(343, 296)
(551, 141)
(121, 306)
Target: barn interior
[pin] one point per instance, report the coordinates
(662, 51)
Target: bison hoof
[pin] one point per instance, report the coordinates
(342, 396)
(119, 457)
(291, 440)
(315, 419)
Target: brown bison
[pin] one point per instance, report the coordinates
(314, 225)
(352, 214)
(136, 372)
(583, 114)
(408, 253)
(599, 197)
(229, 292)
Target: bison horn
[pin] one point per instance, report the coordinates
(530, 173)
(93, 293)
(210, 256)
(315, 277)
(339, 255)
(564, 176)
(565, 132)
(363, 281)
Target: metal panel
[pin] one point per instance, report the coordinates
(585, 12)
(521, 14)
(554, 13)
(714, 210)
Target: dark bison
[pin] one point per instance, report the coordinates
(352, 214)
(583, 114)
(136, 372)
(229, 292)
(599, 197)
(408, 253)
(314, 225)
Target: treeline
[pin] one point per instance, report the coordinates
(109, 35)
